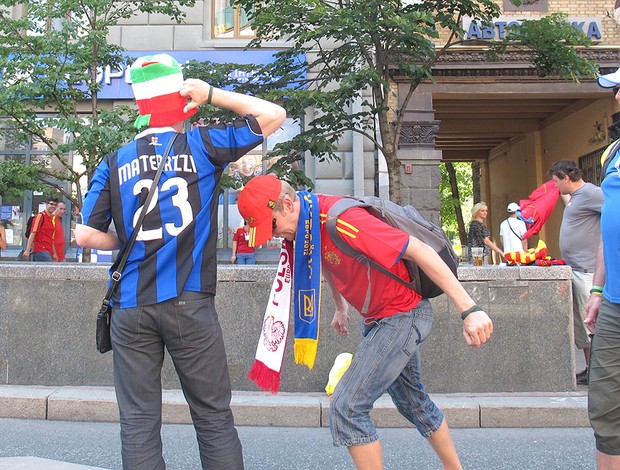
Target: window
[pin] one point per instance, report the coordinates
(230, 21)
(46, 16)
(590, 165)
(38, 12)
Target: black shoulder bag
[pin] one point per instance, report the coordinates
(104, 342)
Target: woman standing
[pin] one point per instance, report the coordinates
(479, 235)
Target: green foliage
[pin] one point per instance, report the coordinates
(16, 178)
(50, 60)
(349, 49)
(550, 43)
(449, 205)
(268, 82)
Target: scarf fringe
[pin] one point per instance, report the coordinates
(142, 121)
(264, 377)
(305, 351)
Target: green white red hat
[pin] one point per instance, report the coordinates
(156, 82)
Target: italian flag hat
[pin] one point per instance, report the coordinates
(156, 82)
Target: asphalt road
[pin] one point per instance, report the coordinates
(98, 444)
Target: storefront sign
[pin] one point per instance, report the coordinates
(117, 84)
(590, 26)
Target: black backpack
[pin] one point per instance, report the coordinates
(29, 224)
(407, 219)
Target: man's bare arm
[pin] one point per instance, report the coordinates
(89, 237)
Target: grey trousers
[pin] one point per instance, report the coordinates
(189, 328)
(604, 380)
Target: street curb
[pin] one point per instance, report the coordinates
(491, 410)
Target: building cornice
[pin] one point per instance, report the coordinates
(478, 62)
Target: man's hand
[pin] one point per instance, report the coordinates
(340, 322)
(591, 312)
(477, 328)
(197, 90)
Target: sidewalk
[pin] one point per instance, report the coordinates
(489, 410)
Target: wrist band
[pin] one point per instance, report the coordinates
(600, 294)
(210, 95)
(475, 308)
(596, 289)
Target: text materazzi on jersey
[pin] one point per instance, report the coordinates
(144, 163)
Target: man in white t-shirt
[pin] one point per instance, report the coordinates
(511, 231)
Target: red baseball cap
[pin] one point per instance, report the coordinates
(256, 203)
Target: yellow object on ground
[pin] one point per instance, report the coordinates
(341, 364)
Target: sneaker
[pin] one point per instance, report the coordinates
(582, 377)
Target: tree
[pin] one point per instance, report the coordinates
(51, 59)
(352, 49)
(456, 194)
(15, 178)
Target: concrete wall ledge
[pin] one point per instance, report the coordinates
(47, 330)
(254, 273)
(98, 404)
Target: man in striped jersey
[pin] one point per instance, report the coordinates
(396, 319)
(166, 294)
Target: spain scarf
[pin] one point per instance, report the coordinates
(306, 279)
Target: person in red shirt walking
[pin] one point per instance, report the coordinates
(59, 233)
(41, 240)
(3, 243)
(242, 252)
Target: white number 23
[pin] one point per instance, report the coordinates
(179, 200)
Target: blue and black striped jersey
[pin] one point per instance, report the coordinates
(176, 247)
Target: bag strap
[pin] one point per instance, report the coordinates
(124, 255)
(608, 155)
(512, 230)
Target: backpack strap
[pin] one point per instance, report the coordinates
(608, 155)
(333, 213)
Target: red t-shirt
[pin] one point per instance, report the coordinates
(44, 226)
(242, 237)
(380, 242)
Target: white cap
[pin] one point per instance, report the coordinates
(512, 207)
(610, 80)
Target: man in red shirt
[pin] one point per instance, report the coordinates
(59, 233)
(396, 321)
(42, 233)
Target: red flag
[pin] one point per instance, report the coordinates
(536, 210)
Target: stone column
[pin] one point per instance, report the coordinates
(420, 175)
